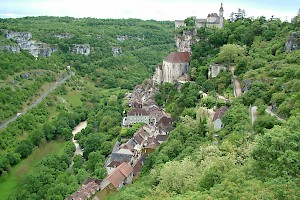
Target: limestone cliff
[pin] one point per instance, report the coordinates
(25, 42)
(185, 40)
(63, 36)
(116, 51)
(81, 49)
(13, 48)
(293, 42)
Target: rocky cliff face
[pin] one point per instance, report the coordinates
(26, 43)
(116, 51)
(81, 49)
(63, 36)
(185, 41)
(14, 49)
(293, 42)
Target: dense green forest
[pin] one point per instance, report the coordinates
(94, 94)
(242, 160)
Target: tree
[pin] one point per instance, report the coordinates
(24, 148)
(190, 22)
(229, 54)
(276, 153)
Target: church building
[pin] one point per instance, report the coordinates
(213, 20)
(174, 67)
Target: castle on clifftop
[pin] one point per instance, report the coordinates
(213, 20)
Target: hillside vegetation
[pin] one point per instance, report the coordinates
(243, 160)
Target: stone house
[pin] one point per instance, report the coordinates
(164, 125)
(215, 69)
(175, 65)
(213, 20)
(136, 115)
(150, 145)
(87, 190)
(117, 158)
(217, 122)
(122, 175)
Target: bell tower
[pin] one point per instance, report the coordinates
(221, 12)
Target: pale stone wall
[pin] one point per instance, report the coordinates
(172, 71)
(132, 119)
(179, 23)
(218, 124)
(215, 69)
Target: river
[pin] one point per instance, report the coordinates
(77, 129)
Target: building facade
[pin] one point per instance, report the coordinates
(213, 20)
(174, 66)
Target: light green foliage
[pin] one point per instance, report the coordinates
(276, 153)
(178, 176)
(230, 53)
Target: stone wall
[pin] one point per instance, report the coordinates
(215, 69)
(170, 72)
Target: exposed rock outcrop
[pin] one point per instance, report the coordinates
(24, 41)
(116, 51)
(122, 38)
(293, 42)
(185, 41)
(63, 36)
(14, 49)
(81, 49)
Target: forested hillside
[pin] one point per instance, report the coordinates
(36, 149)
(254, 156)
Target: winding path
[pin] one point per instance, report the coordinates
(37, 101)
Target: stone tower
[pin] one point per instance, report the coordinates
(221, 12)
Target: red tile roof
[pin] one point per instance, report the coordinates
(220, 112)
(138, 111)
(126, 169)
(138, 138)
(137, 168)
(178, 57)
(119, 174)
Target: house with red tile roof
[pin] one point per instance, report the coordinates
(122, 175)
(87, 190)
(218, 125)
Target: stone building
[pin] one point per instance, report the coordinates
(217, 122)
(136, 115)
(213, 20)
(174, 66)
(215, 69)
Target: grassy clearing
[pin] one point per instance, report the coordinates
(73, 97)
(10, 182)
